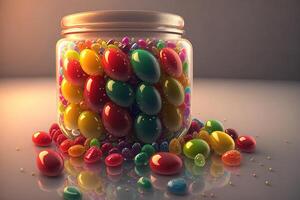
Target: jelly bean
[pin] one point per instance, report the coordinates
(114, 160)
(116, 120)
(171, 117)
(116, 64)
(145, 66)
(147, 128)
(204, 135)
(148, 149)
(165, 163)
(170, 44)
(144, 183)
(72, 93)
(89, 124)
(74, 73)
(199, 160)
(170, 62)
(126, 153)
(61, 108)
(60, 139)
(173, 91)
(246, 143)
(148, 99)
(125, 48)
(195, 126)
(72, 193)
(155, 146)
(56, 134)
(92, 155)
(113, 150)
(182, 55)
(136, 148)
(106, 147)
(119, 92)
(88, 43)
(141, 159)
(177, 186)
(41, 139)
(79, 140)
(95, 142)
(160, 44)
(213, 125)
(195, 146)
(71, 115)
(53, 128)
(122, 144)
(232, 158)
(233, 133)
(175, 146)
(76, 151)
(188, 137)
(125, 40)
(184, 80)
(95, 47)
(185, 67)
(90, 62)
(71, 54)
(94, 93)
(221, 142)
(65, 145)
(88, 180)
(50, 163)
(142, 43)
(164, 146)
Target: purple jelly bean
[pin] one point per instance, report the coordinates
(136, 148)
(126, 153)
(125, 40)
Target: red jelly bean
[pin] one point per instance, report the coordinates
(116, 64)
(56, 134)
(73, 72)
(232, 158)
(41, 139)
(79, 140)
(171, 62)
(165, 163)
(53, 128)
(93, 155)
(194, 127)
(114, 160)
(106, 147)
(246, 143)
(65, 145)
(116, 120)
(50, 163)
(60, 139)
(232, 133)
(94, 93)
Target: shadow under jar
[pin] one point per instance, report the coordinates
(124, 75)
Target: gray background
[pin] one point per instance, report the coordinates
(231, 39)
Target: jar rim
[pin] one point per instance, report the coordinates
(122, 21)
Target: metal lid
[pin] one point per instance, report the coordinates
(122, 20)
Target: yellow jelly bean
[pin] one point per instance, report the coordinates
(90, 62)
(61, 108)
(90, 125)
(88, 180)
(112, 46)
(175, 146)
(95, 47)
(71, 54)
(204, 135)
(76, 150)
(173, 91)
(104, 44)
(171, 117)
(72, 93)
(221, 142)
(71, 115)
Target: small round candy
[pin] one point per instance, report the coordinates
(72, 193)
(71, 115)
(136, 148)
(148, 149)
(72, 93)
(171, 117)
(90, 62)
(79, 140)
(165, 163)
(177, 186)
(50, 163)
(164, 146)
(116, 64)
(74, 73)
(148, 128)
(141, 159)
(199, 160)
(76, 151)
(175, 146)
(113, 150)
(89, 124)
(41, 138)
(119, 92)
(92, 155)
(195, 126)
(95, 142)
(213, 125)
(145, 66)
(160, 44)
(155, 146)
(148, 99)
(195, 146)
(232, 158)
(233, 133)
(221, 142)
(114, 160)
(127, 154)
(144, 183)
(116, 120)
(173, 91)
(71, 54)
(246, 143)
(204, 135)
(170, 62)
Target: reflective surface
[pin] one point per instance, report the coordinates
(255, 104)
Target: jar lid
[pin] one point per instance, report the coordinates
(122, 20)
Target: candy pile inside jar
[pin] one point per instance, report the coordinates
(136, 90)
(202, 142)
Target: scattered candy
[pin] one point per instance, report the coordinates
(213, 125)
(94, 142)
(41, 139)
(165, 163)
(175, 146)
(144, 183)
(141, 159)
(221, 142)
(232, 158)
(164, 146)
(114, 160)
(194, 147)
(148, 149)
(65, 145)
(72, 193)
(246, 144)
(232, 133)
(76, 151)
(50, 163)
(93, 155)
(199, 160)
(177, 186)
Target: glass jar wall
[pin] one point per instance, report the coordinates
(124, 75)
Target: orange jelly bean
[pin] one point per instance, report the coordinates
(76, 150)
(232, 158)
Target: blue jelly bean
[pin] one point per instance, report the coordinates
(164, 146)
(177, 186)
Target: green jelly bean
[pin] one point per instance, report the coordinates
(199, 160)
(119, 92)
(94, 142)
(213, 125)
(195, 146)
(185, 66)
(148, 149)
(72, 193)
(148, 99)
(141, 159)
(144, 183)
(160, 44)
(148, 128)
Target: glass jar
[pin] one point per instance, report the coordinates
(124, 75)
